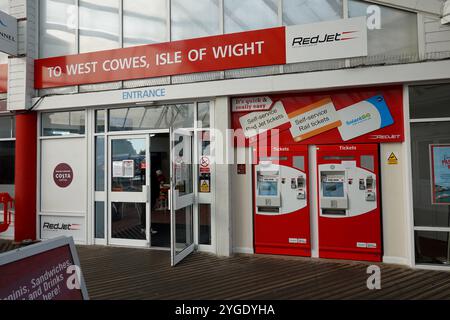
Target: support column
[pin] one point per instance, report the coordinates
(25, 177)
(223, 151)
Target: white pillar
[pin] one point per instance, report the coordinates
(223, 180)
(21, 69)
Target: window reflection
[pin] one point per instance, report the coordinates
(137, 14)
(397, 36)
(154, 117)
(249, 15)
(63, 123)
(57, 29)
(99, 25)
(301, 12)
(194, 18)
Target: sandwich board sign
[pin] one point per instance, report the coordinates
(48, 270)
(8, 34)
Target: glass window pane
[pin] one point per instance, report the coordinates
(422, 135)
(100, 121)
(144, 23)
(249, 15)
(6, 127)
(57, 28)
(194, 18)
(99, 25)
(7, 165)
(63, 123)
(100, 220)
(4, 5)
(203, 115)
(397, 36)
(430, 101)
(301, 12)
(128, 164)
(128, 220)
(154, 117)
(432, 247)
(99, 164)
(204, 224)
(183, 231)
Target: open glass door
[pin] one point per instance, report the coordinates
(181, 195)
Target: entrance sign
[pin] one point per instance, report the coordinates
(8, 34)
(343, 38)
(326, 40)
(440, 173)
(45, 271)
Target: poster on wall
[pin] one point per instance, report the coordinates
(372, 115)
(440, 173)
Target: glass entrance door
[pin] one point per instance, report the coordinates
(182, 195)
(129, 190)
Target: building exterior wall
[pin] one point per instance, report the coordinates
(233, 201)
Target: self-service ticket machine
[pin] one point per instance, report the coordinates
(349, 202)
(281, 201)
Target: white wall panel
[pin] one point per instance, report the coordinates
(71, 199)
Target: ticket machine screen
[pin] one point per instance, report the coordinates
(333, 189)
(268, 187)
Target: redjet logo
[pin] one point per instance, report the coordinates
(323, 38)
(61, 226)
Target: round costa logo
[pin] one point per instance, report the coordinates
(63, 175)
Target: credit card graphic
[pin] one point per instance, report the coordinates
(364, 117)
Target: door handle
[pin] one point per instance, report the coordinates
(169, 194)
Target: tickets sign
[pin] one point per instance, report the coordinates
(358, 115)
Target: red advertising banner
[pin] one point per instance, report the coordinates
(3, 78)
(368, 115)
(223, 52)
(44, 271)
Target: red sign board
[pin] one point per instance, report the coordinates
(223, 52)
(44, 271)
(3, 78)
(369, 115)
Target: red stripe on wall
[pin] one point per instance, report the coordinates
(3, 78)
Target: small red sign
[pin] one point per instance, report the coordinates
(63, 175)
(241, 169)
(205, 165)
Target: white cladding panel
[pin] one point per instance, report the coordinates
(71, 199)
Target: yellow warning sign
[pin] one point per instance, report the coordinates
(204, 186)
(392, 159)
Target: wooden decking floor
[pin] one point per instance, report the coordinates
(124, 273)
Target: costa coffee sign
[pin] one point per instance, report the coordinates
(274, 46)
(63, 175)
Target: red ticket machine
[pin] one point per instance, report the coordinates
(349, 202)
(281, 209)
